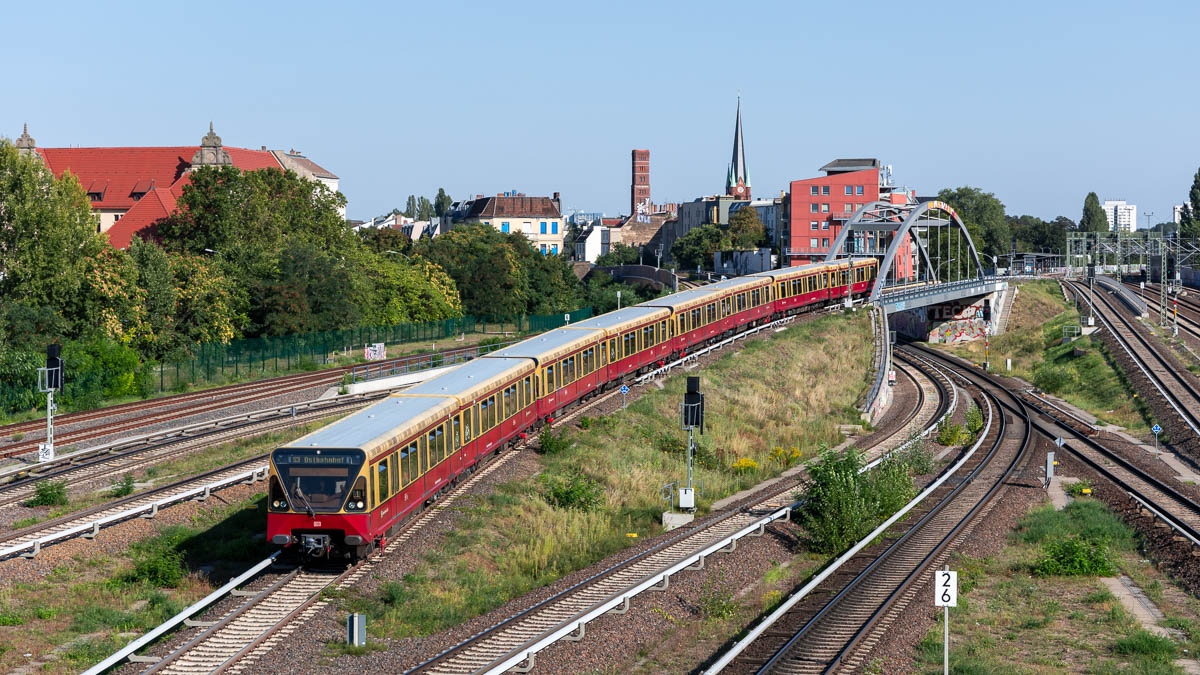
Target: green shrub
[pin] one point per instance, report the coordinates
(919, 458)
(49, 493)
(974, 419)
(553, 443)
(842, 505)
(123, 487)
(1075, 557)
(575, 490)
(1146, 644)
(8, 618)
(585, 422)
(950, 433)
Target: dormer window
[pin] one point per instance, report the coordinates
(141, 188)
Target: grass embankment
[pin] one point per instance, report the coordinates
(160, 474)
(90, 606)
(1033, 340)
(600, 483)
(1038, 606)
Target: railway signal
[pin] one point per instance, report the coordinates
(691, 418)
(50, 379)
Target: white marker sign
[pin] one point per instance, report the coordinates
(946, 589)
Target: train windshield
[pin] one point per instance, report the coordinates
(319, 479)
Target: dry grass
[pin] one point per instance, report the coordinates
(791, 390)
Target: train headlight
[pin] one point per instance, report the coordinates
(360, 505)
(277, 504)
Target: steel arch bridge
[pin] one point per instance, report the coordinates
(926, 254)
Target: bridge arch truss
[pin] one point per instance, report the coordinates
(919, 244)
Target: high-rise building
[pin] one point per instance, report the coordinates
(639, 187)
(737, 182)
(1121, 216)
(1177, 214)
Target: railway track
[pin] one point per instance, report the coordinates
(168, 408)
(1178, 389)
(823, 633)
(516, 640)
(109, 466)
(233, 643)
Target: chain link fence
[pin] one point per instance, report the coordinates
(216, 363)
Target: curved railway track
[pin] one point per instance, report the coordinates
(869, 590)
(1178, 389)
(235, 641)
(517, 640)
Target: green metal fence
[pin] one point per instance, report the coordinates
(216, 363)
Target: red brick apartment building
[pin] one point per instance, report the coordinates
(818, 207)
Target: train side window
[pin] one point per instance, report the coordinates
(422, 456)
(441, 442)
(382, 470)
(467, 431)
(405, 475)
(528, 390)
(508, 405)
(434, 456)
(456, 425)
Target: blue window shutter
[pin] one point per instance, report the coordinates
(504, 227)
(554, 227)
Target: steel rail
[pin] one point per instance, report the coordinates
(184, 614)
(91, 528)
(1055, 429)
(755, 633)
(1159, 384)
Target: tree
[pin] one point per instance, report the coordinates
(983, 214)
(380, 239)
(442, 202)
(410, 207)
(696, 247)
(424, 209)
(746, 230)
(1189, 222)
(248, 222)
(50, 250)
(619, 254)
(1094, 218)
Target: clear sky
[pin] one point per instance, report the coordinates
(1038, 102)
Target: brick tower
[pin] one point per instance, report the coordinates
(639, 188)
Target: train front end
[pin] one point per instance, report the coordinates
(318, 504)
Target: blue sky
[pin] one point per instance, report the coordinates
(1038, 102)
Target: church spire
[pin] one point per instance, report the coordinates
(737, 181)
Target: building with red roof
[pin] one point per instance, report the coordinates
(131, 188)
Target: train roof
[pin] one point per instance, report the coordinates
(622, 319)
(474, 378)
(736, 283)
(399, 417)
(683, 299)
(550, 345)
(380, 425)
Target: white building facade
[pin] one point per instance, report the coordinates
(1121, 216)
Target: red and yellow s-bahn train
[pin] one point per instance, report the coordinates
(342, 490)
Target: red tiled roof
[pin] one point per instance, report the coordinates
(157, 204)
(115, 172)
